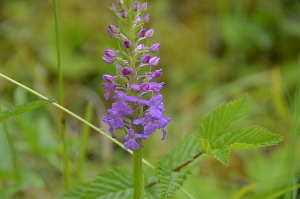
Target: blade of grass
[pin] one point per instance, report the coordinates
(84, 141)
(293, 137)
(64, 154)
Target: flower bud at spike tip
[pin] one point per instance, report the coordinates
(111, 53)
(108, 60)
(111, 34)
(154, 61)
(127, 44)
(124, 13)
(127, 71)
(120, 2)
(145, 59)
(113, 7)
(142, 33)
(143, 7)
(149, 33)
(135, 6)
(146, 18)
(154, 48)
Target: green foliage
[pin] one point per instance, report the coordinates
(171, 178)
(217, 137)
(114, 184)
(23, 108)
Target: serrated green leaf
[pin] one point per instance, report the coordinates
(23, 108)
(170, 181)
(217, 139)
(114, 184)
(251, 138)
(181, 153)
(223, 119)
(75, 193)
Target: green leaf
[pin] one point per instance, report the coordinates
(23, 108)
(171, 180)
(114, 184)
(217, 139)
(223, 119)
(75, 193)
(251, 138)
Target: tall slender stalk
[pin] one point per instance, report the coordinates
(64, 154)
(83, 142)
(293, 138)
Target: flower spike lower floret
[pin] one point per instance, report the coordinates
(138, 109)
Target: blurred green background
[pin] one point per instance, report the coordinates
(211, 52)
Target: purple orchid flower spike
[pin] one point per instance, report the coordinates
(133, 108)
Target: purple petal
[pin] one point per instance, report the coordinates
(139, 121)
(131, 144)
(135, 87)
(111, 131)
(156, 100)
(164, 134)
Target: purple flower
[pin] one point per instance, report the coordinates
(113, 28)
(155, 74)
(110, 53)
(135, 6)
(111, 34)
(120, 2)
(140, 47)
(154, 61)
(146, 18)
(127, 44)
(154, 48)
(142, 33)
(109, 88)
(145, 59)
(108, 60)
(130, 139)
(138, 19)
(149, 33)
(109, 78)
(126, 71)
(124, 13)
(114, 120)
(143, 7)
(113, 7)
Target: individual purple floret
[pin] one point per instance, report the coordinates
(138, 107)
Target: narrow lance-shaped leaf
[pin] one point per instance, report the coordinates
(23, 108)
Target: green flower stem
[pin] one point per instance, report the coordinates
(82, 120)
(64, 154)
(138, 174)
